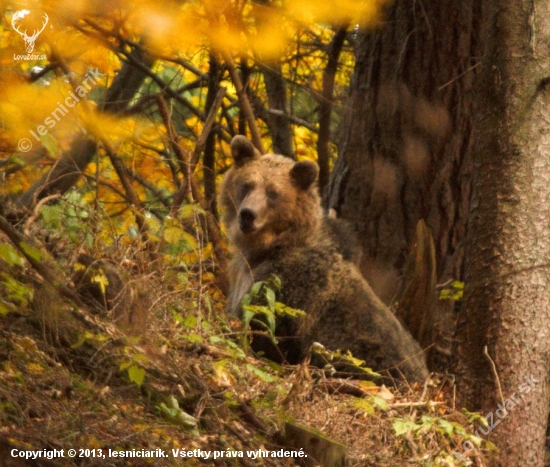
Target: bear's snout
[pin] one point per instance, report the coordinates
(246, 220)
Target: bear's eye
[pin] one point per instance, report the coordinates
(272, 194)
(246, 188)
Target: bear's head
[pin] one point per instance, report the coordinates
(269, 200)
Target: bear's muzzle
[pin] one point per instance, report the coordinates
(246, 220)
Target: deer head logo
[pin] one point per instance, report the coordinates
(29, 40)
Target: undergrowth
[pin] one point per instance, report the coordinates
(169, 370)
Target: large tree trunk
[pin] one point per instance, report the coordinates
(507, 305)
(399, 165)
(405, 153)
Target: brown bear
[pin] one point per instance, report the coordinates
(275, 223)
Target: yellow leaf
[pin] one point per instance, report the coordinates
(222, 378)
(173, 235)
(102, 280)
(35, 368)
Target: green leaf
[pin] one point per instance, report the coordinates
(270, 297)
(216, 340)
(476, 440)
(275, 281)
(15, 290)
(173, 235)
(255, 289)
(10, 255)
(190, 240)
(51, 215)
(402, 426)
(172, 402)
(189, 210)
(172, 412)
(262, 375)
(136, 374)
(5, 308)
(447, 427)
(193, 338)
(282, 309)
(32, 251)
(183, 418)
(364, 405)
(190, 322)
(380, 402)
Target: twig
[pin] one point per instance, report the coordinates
(244, 102)
(251, 417)
(458, 77)
(36, 211)
(340, 386)
(415, 404)
(180, 194)
(199, 146)
(120, 169)
(293, 119)
(167, 119)
(497, 379)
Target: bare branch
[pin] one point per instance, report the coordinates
(244, 102)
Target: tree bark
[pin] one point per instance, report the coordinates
(279, 125)
(507, 304)
(404, 155)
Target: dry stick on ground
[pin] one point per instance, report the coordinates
(244, 102)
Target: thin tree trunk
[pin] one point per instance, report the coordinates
(507, 305)
(279, 125)
(246, 71)
(325, 105)
(208, 162)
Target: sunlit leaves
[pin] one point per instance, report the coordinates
(136, 374)
(10, 255)
(15, 292)
(84, 36)
(362, 12)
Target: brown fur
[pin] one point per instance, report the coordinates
(275, 222)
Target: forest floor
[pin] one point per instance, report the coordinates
(174, 379)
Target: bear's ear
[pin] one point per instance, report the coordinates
(243, 150)
(304, 174)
